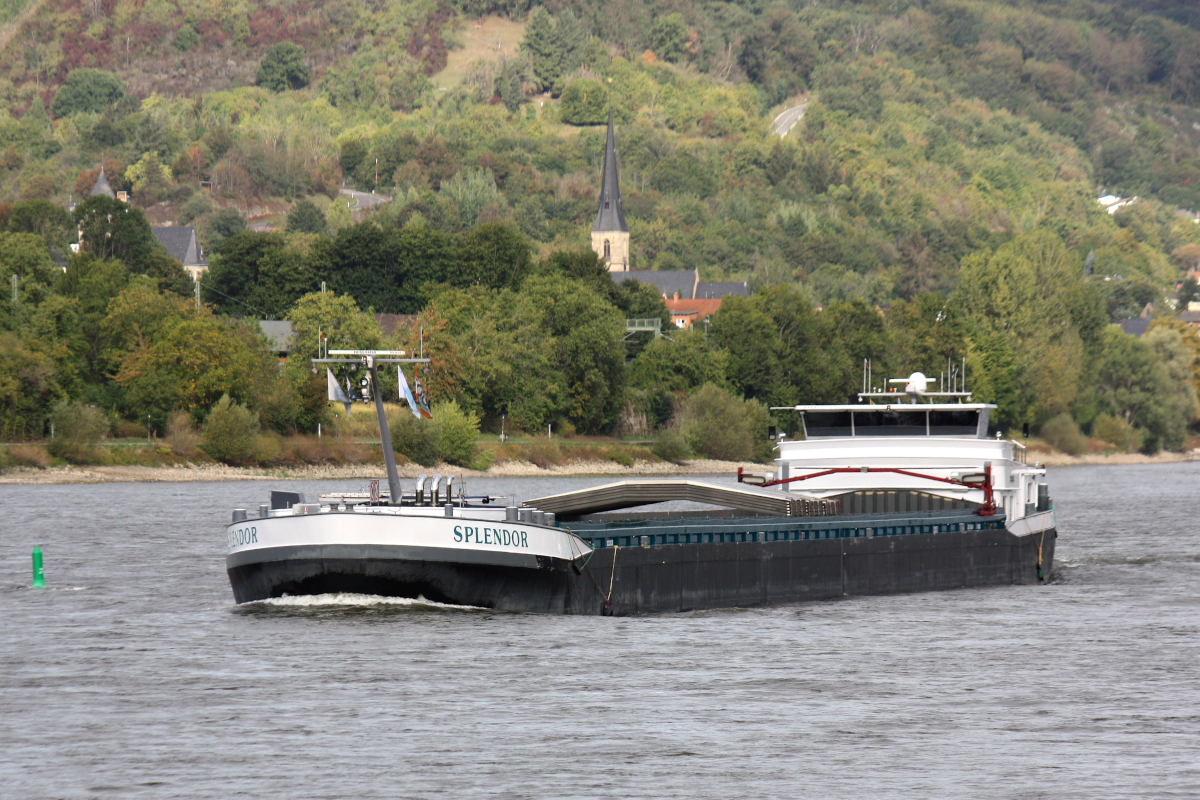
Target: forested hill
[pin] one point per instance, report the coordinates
(938, 199)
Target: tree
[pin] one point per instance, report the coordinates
(306, 218)
(541, 44)
(111, 229)
(230, 432)
(283, 67)
(336, 317)
(718, 424)
(669, 37)
(681, 365)
(44, 218)
(28, 387)
(495, 254)
(192, 362)
(584, 102)
(233, 273)
(87, 91)
(219, 226)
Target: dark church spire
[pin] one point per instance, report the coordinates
(609, 216)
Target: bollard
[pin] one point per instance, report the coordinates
(39, 582)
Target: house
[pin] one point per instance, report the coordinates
(1192, 318)
(1136, 326)
(684, 284)
(390, 323)
(686, 313)
(182, 244)
(279, 334)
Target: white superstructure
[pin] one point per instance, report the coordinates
(929, 450)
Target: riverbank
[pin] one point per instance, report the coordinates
(1055, 459)
(220, 472)
(580, 468)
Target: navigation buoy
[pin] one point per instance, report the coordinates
(38, 581)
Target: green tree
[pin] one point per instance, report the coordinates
(87, 91)
(495, 254)
(28, 388)
(717, 424)
(681, 365)
(219, 226)
(541, 44)
(337, 318)
(669, 37)
(48, 220)
(748, 334)
(306, 218)
(110, 229)
(233, 274)
(584, 102)
(230, 432)
(192, 362)
(283, 67)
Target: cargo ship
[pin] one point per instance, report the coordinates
(903, 491)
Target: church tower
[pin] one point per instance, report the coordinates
(610, 234)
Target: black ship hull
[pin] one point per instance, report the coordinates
(663, 578)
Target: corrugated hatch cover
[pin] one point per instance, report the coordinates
(629, 494)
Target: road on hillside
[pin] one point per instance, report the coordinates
(785, 121)
(365, 199)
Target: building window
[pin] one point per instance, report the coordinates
(607, 251)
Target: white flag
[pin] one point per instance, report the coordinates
(336, 392)
(406, 394)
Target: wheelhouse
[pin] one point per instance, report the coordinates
(960, 420)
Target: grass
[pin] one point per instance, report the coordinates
(488, 39)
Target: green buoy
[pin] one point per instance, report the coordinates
(38, 581)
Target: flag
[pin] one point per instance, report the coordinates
(335, 391)
(422, 402)
(407, 395)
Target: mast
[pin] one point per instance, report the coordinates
(370, 359)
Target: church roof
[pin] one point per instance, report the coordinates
(609, 216)
(102, 187)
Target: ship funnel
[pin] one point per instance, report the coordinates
(433, 489)
(421, 489)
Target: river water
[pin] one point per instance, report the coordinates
(133, 675)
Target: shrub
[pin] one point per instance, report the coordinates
(457, 433)
(671, 446)
(716, 424)
(29, 455)
(124, 429)
(416, 439)
(182, 437)
(268, 448)
(231, 432)
(77, 429)
(545, 453)
(1118, 432)
(620, 455)
(1063, 434)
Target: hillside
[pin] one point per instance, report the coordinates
(937, 201)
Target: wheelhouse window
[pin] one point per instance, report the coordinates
(953, 423)
(827, 423)
(876, 421)
(890, 423)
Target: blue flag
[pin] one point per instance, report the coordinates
(407, 395)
